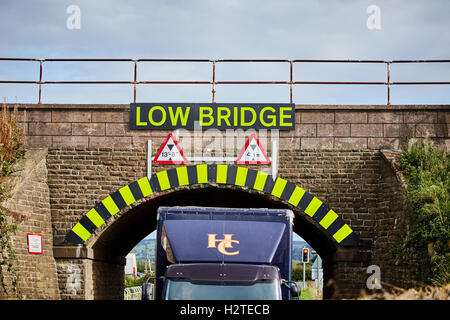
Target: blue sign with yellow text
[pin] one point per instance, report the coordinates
(222, 116)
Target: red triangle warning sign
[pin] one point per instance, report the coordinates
(170, 152)
(253, 153)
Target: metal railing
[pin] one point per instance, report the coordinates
(213, 82)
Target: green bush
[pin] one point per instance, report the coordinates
(12, 150)
(297, 271)
(426, 245)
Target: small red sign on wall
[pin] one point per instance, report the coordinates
(34, 243)
(253, 153)
(170, 152)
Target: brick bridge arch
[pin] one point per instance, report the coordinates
(111, 228)
(331, 223)
(337, 152)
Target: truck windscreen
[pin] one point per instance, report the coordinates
(185, 290)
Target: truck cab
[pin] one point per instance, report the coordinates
(223, 253)
(216, 281)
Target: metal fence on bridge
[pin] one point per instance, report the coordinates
(214, 83)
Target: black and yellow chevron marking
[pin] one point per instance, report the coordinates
(219, 174)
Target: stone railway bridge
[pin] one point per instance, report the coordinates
(84, 187)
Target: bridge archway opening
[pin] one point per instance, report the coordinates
(134, 224)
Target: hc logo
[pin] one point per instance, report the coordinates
(224, 244)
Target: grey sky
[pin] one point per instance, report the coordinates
(284, 29)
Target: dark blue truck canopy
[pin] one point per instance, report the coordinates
(228, 235)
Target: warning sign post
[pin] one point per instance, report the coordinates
(170, 152)
(253, 153)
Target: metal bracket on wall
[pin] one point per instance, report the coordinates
(149, 158)
(274, 159)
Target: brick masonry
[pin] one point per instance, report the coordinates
(317, 127)
(391, 223)
(78, 178)
(30, 197)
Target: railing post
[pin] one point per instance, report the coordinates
(135, 78)
(213, 91)
(388, 71)
(291, 77)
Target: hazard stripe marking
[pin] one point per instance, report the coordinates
(251, 178)
(221, 173)
(102, 211)
(173, 177)
(163, 180)
(136, 190)
(296, 196)
(212, 173)
(313, 207)
(73, 238)
(231, 174)
(95, 217)
(304, 201)
(350, 240)
(268, 186)
(154, 183)
(144, 185)
(328, 219)
(261, 178)
(335, 226)
(81, 231)
(342, 233)
(202, 173)
(192, 174)
(88, 224)
(118, 200)
(183, 179)
(321, 212)
(287, 192)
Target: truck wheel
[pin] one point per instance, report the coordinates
(147, 291)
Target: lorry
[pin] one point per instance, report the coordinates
(210, 253)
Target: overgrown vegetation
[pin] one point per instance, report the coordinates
(12, 149)
(142, 267)
(427, 244)
(297, 271)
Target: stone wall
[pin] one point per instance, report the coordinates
(334, 153)
(72, 278)
(335, 127)
(36, 273)
(78, 178)
(90, 279)
(347, 181)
